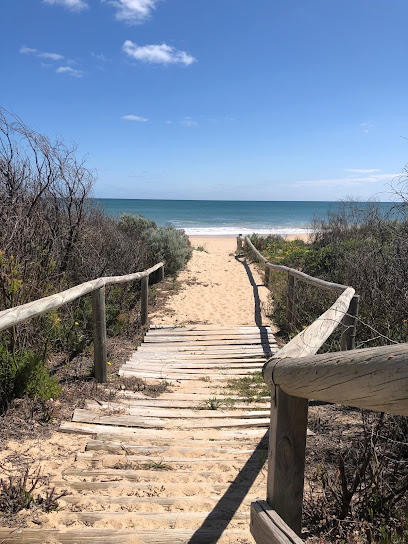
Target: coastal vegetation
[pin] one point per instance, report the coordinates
(357, 461)
(53, 237)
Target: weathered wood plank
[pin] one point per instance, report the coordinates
(163, 413)
(267, 527)
(115, 536)
(146, 422)
(99, 430)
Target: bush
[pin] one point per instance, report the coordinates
(52, 238)
(168, 245)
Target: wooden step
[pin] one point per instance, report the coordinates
(119, 536)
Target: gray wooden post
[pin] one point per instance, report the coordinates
(286, 457)
(267, 276)
(161, 273)
(348, 338)
(99, 334)
(144, 301)
(239, 242)
(290, 301)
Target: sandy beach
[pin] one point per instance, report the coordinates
(218, 288)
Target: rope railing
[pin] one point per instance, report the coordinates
(19, 314)
(371, 378)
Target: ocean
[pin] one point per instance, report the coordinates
(227, 218)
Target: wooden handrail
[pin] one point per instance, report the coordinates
(371, 378)
(349, 319)
(19, 314)
(296, 273)
(288, 425)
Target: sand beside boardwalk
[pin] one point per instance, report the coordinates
(217, 288)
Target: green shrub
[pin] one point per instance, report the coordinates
(25, 373)
(168, 245)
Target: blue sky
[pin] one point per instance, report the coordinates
(226, 99)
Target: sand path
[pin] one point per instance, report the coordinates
(217, 288)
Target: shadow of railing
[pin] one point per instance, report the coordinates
(225, 509)
(263, 333)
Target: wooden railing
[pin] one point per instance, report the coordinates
(372, 378)
(19, 314)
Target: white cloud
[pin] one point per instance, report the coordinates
(30, 51)
(188, 122)
(100, 56)
(366, 127)
(134, 118)
(132, 12)
(73, 5)
(69, 71)
(158, 54)
(362, 170)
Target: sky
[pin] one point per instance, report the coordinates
(216, 99)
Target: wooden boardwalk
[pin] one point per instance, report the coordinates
(179, 468)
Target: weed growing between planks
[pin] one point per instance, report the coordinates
(252, 387)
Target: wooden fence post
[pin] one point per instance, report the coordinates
(161, 273)
(290, 301)
(99, 334)
(239, 242)
(286, 458)
(348, 338)
(144, 301)
(267, 275)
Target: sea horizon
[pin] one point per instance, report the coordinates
(229, 217)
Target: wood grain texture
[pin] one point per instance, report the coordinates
(286, 459)
(372, 378)
(267, 527)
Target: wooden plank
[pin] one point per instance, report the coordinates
(80, 485)
(255, 341)
(209, 335)
(167, 518)
(265, 337)
(89, 416)
(195, 397)
(197, 404)
(267, 527)
(100, 430)
(200, 327)
(136, 475)
(116, 536)
(111, 460)
(201, 355)
(196, 371)
(162, 501)
(185, 365)
(163, 413)
(169, 376)
(123, 447)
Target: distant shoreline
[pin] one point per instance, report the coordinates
(305, 237)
